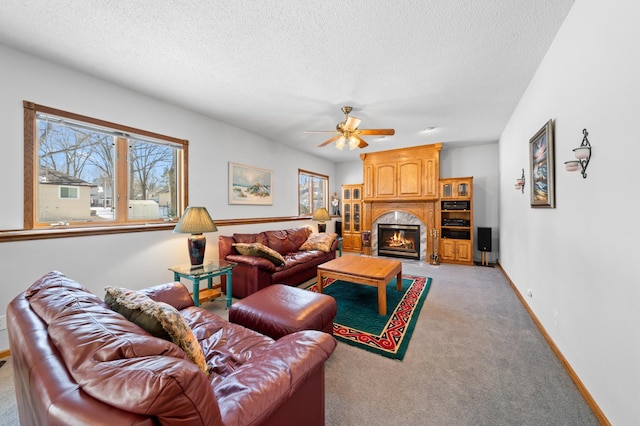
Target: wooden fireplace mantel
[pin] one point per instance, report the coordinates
(405, 179)
(423, 210)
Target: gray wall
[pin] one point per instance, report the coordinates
(578, 259)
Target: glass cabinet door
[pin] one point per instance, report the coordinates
(356, 218)
(356, 194)
(347, 194)
(447, 190)
(463, 190)
(347, 217)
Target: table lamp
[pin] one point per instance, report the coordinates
(195, 221)
(321, 215)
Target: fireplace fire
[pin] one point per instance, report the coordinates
(399, 241)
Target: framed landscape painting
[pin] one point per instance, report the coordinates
(250, 185)
(542, 167)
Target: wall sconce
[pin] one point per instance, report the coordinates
(520, 183)
(583, 155)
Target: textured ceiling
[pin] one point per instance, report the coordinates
(279, 67)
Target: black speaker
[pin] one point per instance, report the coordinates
(339, 228)
(484, 239)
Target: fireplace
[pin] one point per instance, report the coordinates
(399, 241)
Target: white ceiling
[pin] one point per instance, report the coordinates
(279, 67)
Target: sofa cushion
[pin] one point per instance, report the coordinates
(279, 241)
(259, 250)
(159, 319)
(320, 242)
(56, 298)
(250, 238)
(298, 236)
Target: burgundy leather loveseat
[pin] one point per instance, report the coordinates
(76, 361)
(253, 273)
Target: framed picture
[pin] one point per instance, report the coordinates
(250, 185)
(542, 167)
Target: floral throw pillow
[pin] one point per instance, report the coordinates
(260, 250)
(320, 242)
(159, 319)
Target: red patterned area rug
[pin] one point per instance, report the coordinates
(359, 324)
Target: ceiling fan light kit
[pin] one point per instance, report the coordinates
(348, 133)
(353, 142)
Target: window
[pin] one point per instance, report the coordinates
(312, 192)
(68, 192)
(85, 171)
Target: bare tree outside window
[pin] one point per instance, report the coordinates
(312, 192)
(114, 177)
(151, 168)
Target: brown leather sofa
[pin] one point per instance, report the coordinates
(254, 273)
(76, 361)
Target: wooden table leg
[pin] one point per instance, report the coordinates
(319, 281)
(382, 298)
(399, 281)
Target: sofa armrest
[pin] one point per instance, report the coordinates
(175, 294)
(254, 391)
(258, 262)
(225, 246)
(303, 351)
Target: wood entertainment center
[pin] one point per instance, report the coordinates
(407, 181)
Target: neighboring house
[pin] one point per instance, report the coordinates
(102, 196)
(162, 196)
(62, 197)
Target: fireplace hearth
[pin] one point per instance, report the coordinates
(399, 241)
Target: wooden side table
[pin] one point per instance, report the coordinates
(205, 272)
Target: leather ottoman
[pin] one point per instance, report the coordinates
(279, 309)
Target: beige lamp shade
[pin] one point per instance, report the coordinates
(195, 220)
(321, 215)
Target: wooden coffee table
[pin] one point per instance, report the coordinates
(371, 271)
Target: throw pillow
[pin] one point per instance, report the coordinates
(260, 250)
(128, 304)
(320, 242)
(155, 316)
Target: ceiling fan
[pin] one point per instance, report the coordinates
(347, 132)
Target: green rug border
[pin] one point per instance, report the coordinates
(402, 349)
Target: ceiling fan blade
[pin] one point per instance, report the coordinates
(386, 132)
(351, 123)
(363, 143)
(320, 131)
(328, 141)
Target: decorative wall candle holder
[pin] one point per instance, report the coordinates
(583, 155)
(520, 183)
